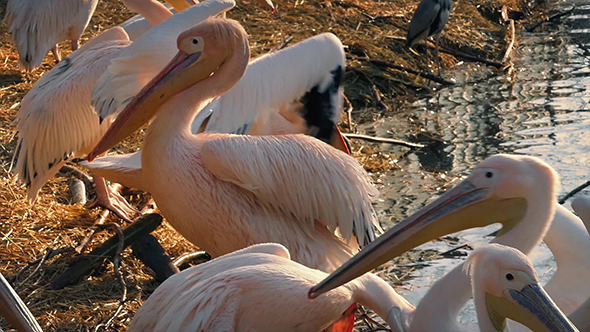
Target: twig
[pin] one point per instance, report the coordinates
(431, 77)
(384, 140)
(551, 18)
(102, 217)
(470, 57)
(50, 253)
(380, 104)
(197, 255)
(575, 191)
(450, 253)
(349, 109)
(508, 53)
(85, 264)
(283, 44)
(120, 277)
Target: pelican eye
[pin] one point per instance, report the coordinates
(195, 41)
(489, 174)
(509, 277)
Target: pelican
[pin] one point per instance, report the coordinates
(581, 317)
(259, 288)
(37, 26)
(56, 121)
(264, 103)
(14, 310)
(517, 191)
(224, 192)
(505, 285)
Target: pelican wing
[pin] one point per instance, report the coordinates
(143, 59)
(55, 121)
(332, 188)
(306, 77)
(36, 26)
(124, 169)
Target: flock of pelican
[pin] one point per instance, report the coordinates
(245, 160)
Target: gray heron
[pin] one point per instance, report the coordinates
(430, 18)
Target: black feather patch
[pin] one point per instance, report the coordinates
(318, 109)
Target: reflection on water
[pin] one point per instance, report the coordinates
(543, 110)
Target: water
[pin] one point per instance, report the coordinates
(542, 110)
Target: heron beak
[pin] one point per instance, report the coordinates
(14, 310)
(530, 306)
(465, 206)
(180, 5)
(183, 71)
(268, 5)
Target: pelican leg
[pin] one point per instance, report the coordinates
(75, 44)
(14, 310)
(109, 198)
(55, 52)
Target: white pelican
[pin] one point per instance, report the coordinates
(505, 285)
(264, 102)
(37, 26)
(56, 121)
(517, 191)
(259, 288)
(225, 192)
(14, 310)
(581, 317)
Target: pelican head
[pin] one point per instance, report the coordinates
(203, 51)
(498, 190)
(505, 285)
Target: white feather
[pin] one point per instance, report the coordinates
(140, 62)
(36, 26)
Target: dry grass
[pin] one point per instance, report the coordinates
(27, 231)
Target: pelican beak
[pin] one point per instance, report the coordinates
(183, 71)
(530, 306)
(338, 141)
(180, 5)
(465, 206)
(14, 310)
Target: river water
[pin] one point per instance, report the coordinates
(542, 109)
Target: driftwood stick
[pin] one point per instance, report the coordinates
(470, 57)
(283, 44)
(551, 18)
(574, 191)
(384, 140)
(508, 53)
(85, 264)
(431, 77)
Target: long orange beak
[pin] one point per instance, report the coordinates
(180, 5)
(465, 206)
(14, 310)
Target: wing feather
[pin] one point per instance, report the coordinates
(274, 81)
(56, 121)
(155, 48)
(36, 26)
(299, 176)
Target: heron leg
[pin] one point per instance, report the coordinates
(426, 51)
(75, 44)
(437, 38)
(55, 52)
